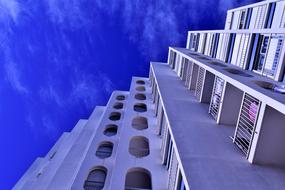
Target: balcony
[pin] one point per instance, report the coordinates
(209, 144)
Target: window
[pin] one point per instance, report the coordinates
(140, 123)
(186, 64)
(168, 152)
(111, 130)
(258, 17)
(115, 116)
(161, 121)
(139, 146)
(140, 88)
(270, 14)
(157, 102)
(242, 19)
(235, 20)
(236, 49)
(230, 48)
(140, 107)
(140, 97)
(273, 55)
(208, 44)
(96, 179)
(118, 105)
(248, 17)
(268, 55)
(278, 16)
(154, 91)
(172, 59)
(229, 20)
(194, 42)
(202, 42)
(240, 50)
(215, 45)
(121, 97)
(262, 53)
(138, 178)
(182, 67)
(104, 150)
(140, 82)
(180, 183)
(253, 50)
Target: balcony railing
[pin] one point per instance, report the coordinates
(134, 188)
(104, 153)
(93, 185)
(139, 152)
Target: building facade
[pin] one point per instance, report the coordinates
(211, 118)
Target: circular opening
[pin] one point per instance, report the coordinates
(115, 116)
(139, 146)
(140, 82)
(140, 88)
(118, 105)
(140, 97)
(140, 123)
(96, 178)
(237, 72)
(104, 150)
(140, 107)
(121, 97)
(138, 178)
(111, 130)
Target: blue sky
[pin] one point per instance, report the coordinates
(59, 59)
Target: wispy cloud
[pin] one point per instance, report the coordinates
(145, 23)
(67, 13)
(150, 25)
(155, 24)
(9, 8)
(9, 15)
(42, 125)
(30, 121)
(88, 88)
(49, 93)
(83, 91)
(83, 88)
(50, 127)
(13, 76)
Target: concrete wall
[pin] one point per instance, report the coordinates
(271, 141)
(124, 160)
(208, 87)
(91, 160)
(231, 103)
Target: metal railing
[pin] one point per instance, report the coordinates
(216, 97)
(134, 188)
(93, 185)
(246, 123)
(200, 83)
(139, 152)
(104, 153)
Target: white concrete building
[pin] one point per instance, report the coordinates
(212, 118)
